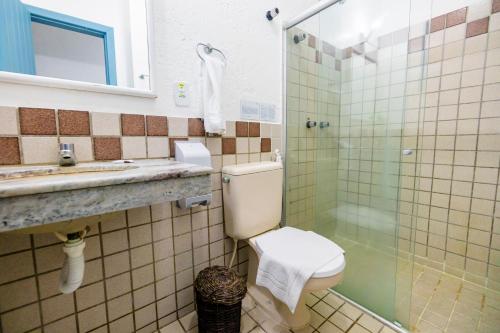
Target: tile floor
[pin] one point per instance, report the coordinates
(441, 303)
(330, 315)
(444, 303)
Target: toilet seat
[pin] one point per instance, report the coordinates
(287, 241)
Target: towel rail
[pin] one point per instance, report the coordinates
(207, 48)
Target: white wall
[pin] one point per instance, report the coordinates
(251, 43)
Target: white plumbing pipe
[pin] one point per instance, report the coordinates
(74, 266)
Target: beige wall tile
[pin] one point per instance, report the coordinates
(177, 126)
(134, 147)
(21, 320)
(8, 121)
(137, 216)
(57, 307)
(106, 123)
(17, 294)
(158, 147)
(39, 149)
(92, 318)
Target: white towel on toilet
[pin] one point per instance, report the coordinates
(289, 257)
(212, 73)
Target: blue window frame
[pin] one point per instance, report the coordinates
(16, 42)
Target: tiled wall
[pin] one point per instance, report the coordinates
(140, 263)
(434, 88)
(457, 213)
(313, 90)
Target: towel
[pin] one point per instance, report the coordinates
(284, 267)
(212, 73)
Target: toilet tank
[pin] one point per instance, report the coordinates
(252, 195)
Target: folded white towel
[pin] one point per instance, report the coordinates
(289, 257)
(212, 73)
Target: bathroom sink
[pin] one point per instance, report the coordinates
(52, 198)
(50, 170)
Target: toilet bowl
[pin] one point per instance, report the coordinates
(325, 277)
(252, 196)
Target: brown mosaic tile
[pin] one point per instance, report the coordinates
(254, 129)
(478, 27)
(196, 127)
(107, 148)
(73, 122)
(37, 121)
(133, 125)
(456, 17)
(438, 23)
(157, 125)
(265, 145)
(228, 146)
(416, 44)
(319, 58)
(495, 8)
(9, 151)
(328, 49)
(241, 128)
(171, 144)
(347, 53)
(311, 41)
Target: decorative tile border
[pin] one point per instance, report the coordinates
(31, 135)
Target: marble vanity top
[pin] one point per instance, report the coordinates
(25, 180)
(36, 199)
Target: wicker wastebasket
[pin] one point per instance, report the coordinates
(219, 292)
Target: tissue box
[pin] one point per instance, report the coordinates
(192, 152)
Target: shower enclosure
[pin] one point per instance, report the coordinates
(372, 140)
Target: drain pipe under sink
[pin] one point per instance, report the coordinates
(74, 264)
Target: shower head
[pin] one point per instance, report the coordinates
(299, 37)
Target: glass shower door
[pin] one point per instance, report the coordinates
(361, 212)
(345, 175)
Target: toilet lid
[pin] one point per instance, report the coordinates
(288, 239)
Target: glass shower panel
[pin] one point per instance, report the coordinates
(346, 175)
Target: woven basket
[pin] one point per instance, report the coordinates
(219, 292)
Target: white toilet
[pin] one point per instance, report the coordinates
(252, 206)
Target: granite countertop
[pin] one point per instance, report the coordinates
(29, 180)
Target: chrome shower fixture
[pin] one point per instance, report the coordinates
(299, 38)
(271, 14)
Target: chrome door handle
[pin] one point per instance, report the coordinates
(311, 123)
(407, 152)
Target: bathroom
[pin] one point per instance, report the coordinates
(373, 124)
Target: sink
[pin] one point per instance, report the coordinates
(52, 198)
(7, 173)
(65, 227)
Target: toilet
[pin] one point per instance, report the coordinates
(252, 195)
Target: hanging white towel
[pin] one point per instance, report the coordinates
(289, 258)
(212, 73)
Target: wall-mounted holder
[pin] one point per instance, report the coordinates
(271, 14)
(191, 202)
(194, 153)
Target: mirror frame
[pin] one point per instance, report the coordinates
(49, 82)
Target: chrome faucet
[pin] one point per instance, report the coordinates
(67, 154)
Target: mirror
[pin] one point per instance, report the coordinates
(104, 42)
